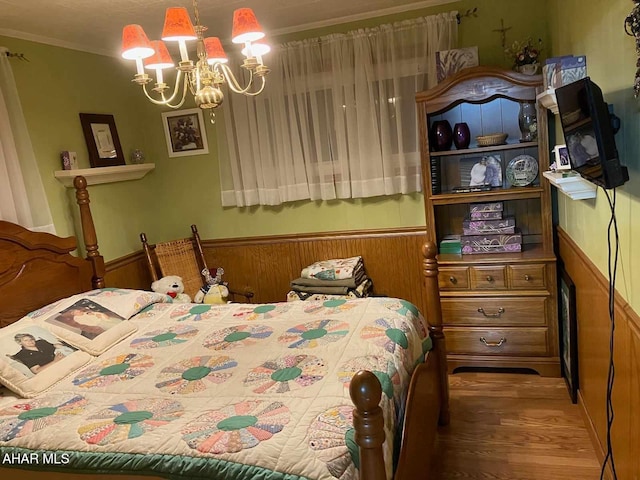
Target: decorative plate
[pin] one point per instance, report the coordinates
(522, 170)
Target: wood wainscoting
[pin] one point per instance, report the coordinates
(266, 265)
(592, 299)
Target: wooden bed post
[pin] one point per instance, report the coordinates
(89, 232)
(368, 422)
(434, 317)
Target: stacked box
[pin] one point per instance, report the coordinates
(451, 244)
(486, 231)
(473, 244)
(485, 215)
(482, 227)
(486, 207)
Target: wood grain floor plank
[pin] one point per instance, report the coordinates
(507, 426)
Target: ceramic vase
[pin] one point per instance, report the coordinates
(529, 69)
(441, 135)
(461, 135)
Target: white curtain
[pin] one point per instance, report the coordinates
(22, 197)
(337, 118)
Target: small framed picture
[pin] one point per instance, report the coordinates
(185, 133)
(562, 157)
(102, 140)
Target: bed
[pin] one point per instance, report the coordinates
(151, 394)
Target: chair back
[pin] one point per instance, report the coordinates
(182, 257)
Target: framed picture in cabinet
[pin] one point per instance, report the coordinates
(484, 170)
(568, 332)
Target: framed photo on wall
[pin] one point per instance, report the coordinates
(185, 132)
(102, 139)
(568, 332)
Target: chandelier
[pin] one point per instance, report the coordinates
(210, 72)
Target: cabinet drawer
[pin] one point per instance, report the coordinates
(527, 276)
(497, 341)
(487, 278)
(453, 278)
(494, 311)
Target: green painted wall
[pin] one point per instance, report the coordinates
(54, 86)
(59, 83)
(595, 29)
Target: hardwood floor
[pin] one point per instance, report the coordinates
(507, 426)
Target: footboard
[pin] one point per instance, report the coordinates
(427, 404)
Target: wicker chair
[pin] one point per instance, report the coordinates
(184, 258)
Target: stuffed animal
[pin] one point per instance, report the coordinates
(215, 291)
(171, 285)
(217, 294)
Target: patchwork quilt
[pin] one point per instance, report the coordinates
(230, 391)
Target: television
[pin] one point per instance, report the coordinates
(589, 134)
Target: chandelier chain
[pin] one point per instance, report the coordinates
(196, 12)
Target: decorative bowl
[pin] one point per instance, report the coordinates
(492, 139)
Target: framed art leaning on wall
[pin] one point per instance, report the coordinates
(185, 132)
(568, 332)
(102, 139)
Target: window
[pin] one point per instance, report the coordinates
(337, 118)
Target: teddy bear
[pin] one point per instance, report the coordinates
(215, 291)
(171, 285)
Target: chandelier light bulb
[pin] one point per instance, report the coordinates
(256, 49)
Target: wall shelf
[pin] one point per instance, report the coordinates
(572, 185)
(548, 100)
(98, 175)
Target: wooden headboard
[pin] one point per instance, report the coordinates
(38, 268)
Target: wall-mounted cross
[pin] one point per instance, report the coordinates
(503, 32)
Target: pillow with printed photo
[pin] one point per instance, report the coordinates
(89, 326)
(33, 358)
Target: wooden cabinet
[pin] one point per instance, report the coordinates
(499, 309)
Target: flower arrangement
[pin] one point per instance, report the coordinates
(524, 53)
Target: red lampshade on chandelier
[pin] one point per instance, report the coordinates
(205, 78)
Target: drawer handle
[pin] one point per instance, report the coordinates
(489, 278)
(528, 278)
(491, 315)
(493, 344)
(453, 280)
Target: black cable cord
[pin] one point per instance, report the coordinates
(612, 371)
